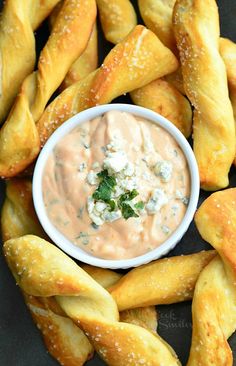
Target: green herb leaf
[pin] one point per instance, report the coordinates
(103, 174)
(127, 211)
(139, 205)
(105, 188)
(112, 204)
(128, 196)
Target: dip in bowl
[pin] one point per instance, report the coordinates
(116, 186)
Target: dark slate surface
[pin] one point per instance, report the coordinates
(20, 341)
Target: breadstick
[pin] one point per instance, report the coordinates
(86, 302)
(176, 79)
(18, 216)
(118, 18)
(163, 98)
(205, 83)
(214, 302)
(54, 14)
(85, 64)
(146, 317)
(164, 281)
(19, 19)
(157, 16)
(19, 140)
(63, 339)
(18, 208)
(228, 53)
(134, 62)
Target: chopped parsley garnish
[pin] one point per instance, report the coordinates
(112, 204)
(139, 205)
(104, 192)
(127, 211)
(105, 188)
(128, 196)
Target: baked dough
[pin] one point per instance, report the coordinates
(19, 20)
(214, 301)
(164, 281)
(118, 18)
(196, 27)
(19, 140)
(134, 62)
(85, 64)
(157, 16)
(228, 53)
(162, 97)
(41, 269)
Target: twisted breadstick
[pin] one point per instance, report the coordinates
(134, 62)
(165, 281)
(19, 140)
(157, 16)
(19, 19)
(118, 18)
(176, 79)
(18, 216)
(214, 302)
(41, 269)
(85, 63)
(162, 97)
(228, 53)
(63, 339)
(196, 26)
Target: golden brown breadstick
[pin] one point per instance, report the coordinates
(18, 216)
(19, 19)
(163, 98)
(85, 64)
(126, 291)
(118, 18)
(86, 302)
(146, 317)
(134, 62)
(214, 302)
(19, 140)
(164, 281)
(205, 83)
(54, 14)
(157, 16)
(63, 339)
(228, 53)
(176, 78)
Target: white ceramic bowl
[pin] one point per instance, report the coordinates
(78, 253)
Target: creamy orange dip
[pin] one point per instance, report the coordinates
(140, 157)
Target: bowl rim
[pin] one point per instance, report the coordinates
(65, 244)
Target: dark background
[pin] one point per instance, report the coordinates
(20, 341)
